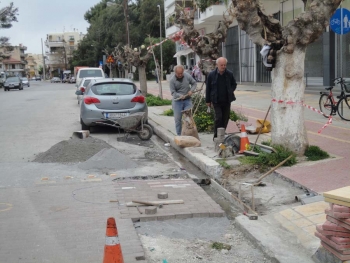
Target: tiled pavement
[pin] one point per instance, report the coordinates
(196, 204)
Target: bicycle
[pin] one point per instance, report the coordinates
(328, 104)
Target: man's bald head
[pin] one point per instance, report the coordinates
(221, 63)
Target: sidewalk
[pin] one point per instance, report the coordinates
(298, 223)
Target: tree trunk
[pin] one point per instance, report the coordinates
(287, 110)
(143, 80)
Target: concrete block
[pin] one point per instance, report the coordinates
(344, 248)
(151, 210)
(324, 232)
(341, 209)
(330, 226)
(163, 195)
(335, 252)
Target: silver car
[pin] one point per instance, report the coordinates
(25, 82)
(110, 99)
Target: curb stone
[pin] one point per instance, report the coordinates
(193, 154)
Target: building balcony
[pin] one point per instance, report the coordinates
(22, 55)
(171, 30)
(211, 15)
(51, 43)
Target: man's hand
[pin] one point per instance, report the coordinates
(190, 93)
(209, 104)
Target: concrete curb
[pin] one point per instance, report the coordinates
(193, 154)
(276, 243)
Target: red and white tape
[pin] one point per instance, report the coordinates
(330, 119)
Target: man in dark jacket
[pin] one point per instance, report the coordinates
(220, 93)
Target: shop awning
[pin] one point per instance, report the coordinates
(183, 52)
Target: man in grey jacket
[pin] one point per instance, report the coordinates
(182, 85)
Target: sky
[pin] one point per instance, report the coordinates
(37, 18)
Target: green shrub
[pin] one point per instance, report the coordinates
(224, 164)
(156, 101)
(168, 112)
(220, 246)
(314, 153)
(204, 120)
(271, 159)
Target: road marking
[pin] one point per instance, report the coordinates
(8, 207)
(44, 178)
(92, 180)
(329, 137)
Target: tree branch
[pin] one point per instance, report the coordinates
(307, 27)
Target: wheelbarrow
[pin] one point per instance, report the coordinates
(132, 123)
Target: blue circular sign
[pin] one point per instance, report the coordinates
(340, 21)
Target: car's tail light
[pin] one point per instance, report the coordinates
(139, 99)
(91, 100)
(82, 89)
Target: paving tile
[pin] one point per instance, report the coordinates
(312, 209)
(317, 219)
(302, 222)
(290, 214)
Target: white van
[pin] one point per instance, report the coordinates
(88, 73)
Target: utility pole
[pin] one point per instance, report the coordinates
(161, 50)
(42, 52)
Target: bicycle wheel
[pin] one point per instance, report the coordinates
(344, 108)
(326, 105)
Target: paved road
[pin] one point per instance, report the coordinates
(40, 220)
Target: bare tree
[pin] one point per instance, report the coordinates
(288, 45)
(139, 58)
(207, 47)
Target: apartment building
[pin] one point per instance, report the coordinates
(326, 58)
(59, 51)
(14, 63)
(34, 63)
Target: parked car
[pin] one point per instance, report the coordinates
(33, 78)
(89, 73)
(72, 80)
(13, 83)
(82, 87)
(55, 80)
(38, 78)
(110, 99)
(25, 82)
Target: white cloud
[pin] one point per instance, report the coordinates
(37, 18)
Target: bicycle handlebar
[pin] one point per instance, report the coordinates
(339, 79)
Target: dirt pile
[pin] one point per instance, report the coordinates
(73, 150)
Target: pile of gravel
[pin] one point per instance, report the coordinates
(72, 151)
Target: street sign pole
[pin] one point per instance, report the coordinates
(340, 24)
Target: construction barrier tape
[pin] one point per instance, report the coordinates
(330, 119)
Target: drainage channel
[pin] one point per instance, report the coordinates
(195, 173)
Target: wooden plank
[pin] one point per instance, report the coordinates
(335, 201)
(165, 202)
(342, 194)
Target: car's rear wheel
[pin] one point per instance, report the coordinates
(83, 126)
(146, 133)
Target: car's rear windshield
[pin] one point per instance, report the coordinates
(12, 79)
(90, 73)
(24, 79)
(86, 82)
(114, 89)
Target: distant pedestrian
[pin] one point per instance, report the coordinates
(182, 85)
(220, 93)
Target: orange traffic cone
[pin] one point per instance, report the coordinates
(113, 251)
(244, 140)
